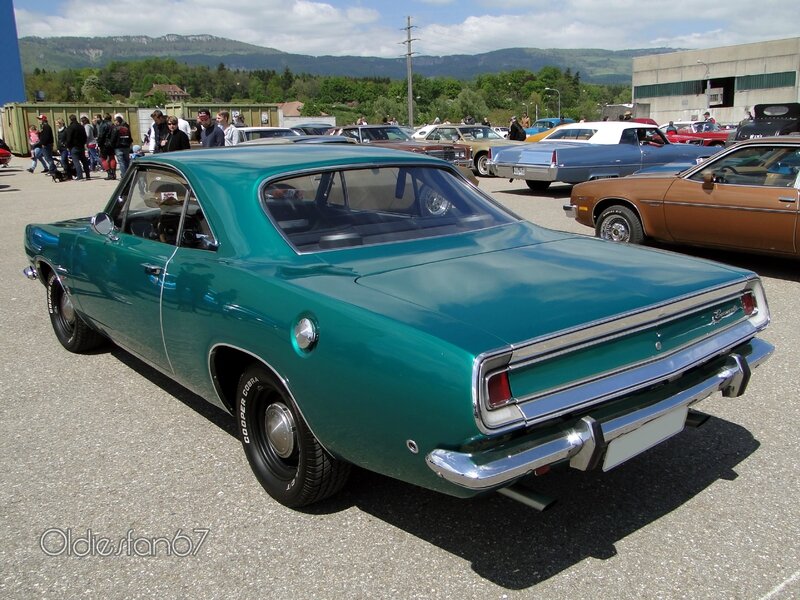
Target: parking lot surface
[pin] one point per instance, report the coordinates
(118, 483)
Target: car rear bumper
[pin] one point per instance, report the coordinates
(531, 172)
(600, 439)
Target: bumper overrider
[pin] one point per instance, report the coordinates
(606, 436)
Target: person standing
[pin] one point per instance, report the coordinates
(176, 138)
(230, 132)
(210, 134)
(515, 130)
(107, 158)
(76, 142)
(46, 143)
(91, 144)
(158, 132)
(526, 121)
(121, 142)
(63, 149)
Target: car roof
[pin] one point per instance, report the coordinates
(240, 167)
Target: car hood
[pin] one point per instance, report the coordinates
(521, 293)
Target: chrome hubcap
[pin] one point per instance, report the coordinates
(280, 429)
(66, 309)
(616, 231)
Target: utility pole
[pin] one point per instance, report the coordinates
(410, 97)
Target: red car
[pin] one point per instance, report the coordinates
(703, 133)
(5, 157)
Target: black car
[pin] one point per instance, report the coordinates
(770, 119)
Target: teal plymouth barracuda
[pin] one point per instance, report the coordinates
(354, 305)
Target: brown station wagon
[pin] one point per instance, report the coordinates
(744, 198)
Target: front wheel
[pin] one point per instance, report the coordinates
(72, 332)
(537, 186)
(619, 224)
(285, 456)
(481, 167)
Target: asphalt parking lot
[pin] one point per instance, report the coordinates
(118, 483)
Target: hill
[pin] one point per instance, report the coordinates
(58, 53)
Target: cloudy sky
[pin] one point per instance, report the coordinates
(441, 27)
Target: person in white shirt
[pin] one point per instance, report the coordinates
(231, 133)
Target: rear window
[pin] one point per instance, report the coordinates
(572, 134)
(360, 207)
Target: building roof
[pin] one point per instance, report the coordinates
(170, 89)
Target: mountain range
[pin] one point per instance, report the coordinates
(57, 53)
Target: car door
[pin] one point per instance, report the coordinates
(119, 278)
(747, 199)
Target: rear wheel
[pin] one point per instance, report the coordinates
(620, 224)
(285, 456)
(72, 332)
(537, 186)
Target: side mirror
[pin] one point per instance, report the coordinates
(103, 224)
(709, 180)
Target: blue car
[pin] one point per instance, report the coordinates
(541, 125)
(584, 151)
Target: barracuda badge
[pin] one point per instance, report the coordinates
(720, 314)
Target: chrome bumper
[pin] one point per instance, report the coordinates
(585, 444)
(570, 210)
(30, 273)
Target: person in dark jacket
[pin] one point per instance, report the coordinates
(158, 133)
(75, 140)
(176, 139)
(516, 131)
(211, 135)
(107, 158)
(46, 141)
(121, 141)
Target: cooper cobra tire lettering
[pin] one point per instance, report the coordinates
(286, 458)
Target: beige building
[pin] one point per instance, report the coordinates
(681, 86)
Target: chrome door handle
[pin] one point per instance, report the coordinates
(787, 199)
(152, 269)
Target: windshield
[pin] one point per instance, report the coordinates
(361, 207)
(384, 133)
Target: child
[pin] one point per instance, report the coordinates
(36, 149)
(136, 151)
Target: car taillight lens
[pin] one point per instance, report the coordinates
(749, 303)
(553, 159)
(499, 390)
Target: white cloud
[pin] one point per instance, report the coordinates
(358, 27)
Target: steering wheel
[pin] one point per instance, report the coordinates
(731, 169)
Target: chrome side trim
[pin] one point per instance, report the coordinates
(584, 443)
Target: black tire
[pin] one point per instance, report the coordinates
(619, 224)
(285, 456)
(71, 331)
(537, 186)
(481, 168)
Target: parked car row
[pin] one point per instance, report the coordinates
(578, 152)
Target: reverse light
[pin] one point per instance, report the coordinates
(499, 390)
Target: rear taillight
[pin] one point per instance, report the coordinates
(499, 390)
(553, 159)
(749, 303)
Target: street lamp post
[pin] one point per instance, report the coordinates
(549, 89)
(708, 85)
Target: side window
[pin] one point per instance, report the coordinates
(768, 166)
(629, 137)
(159, 205)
